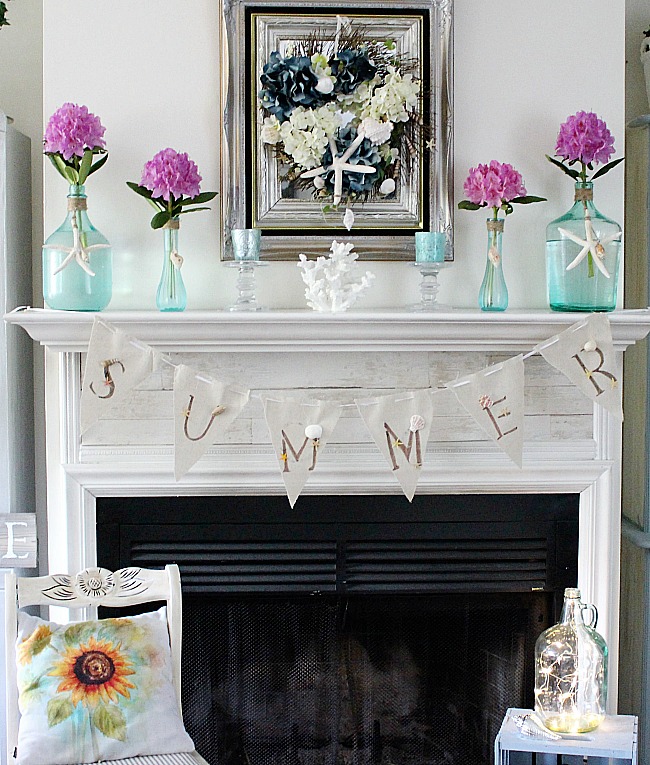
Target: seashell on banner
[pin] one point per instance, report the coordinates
(417, 423)
(314, 431)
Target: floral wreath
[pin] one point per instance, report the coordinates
(337, 110)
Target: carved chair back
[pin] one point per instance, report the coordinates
(92, 587)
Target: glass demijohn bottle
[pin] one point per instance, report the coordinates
(582, 256)
(571, 672)
(77, 261)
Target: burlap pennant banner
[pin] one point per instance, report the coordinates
(585, 354)
(115, 364)
(400, 425)
(494, 397)
(299, 432)
(204, 409)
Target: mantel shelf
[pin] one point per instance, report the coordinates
(301, 330)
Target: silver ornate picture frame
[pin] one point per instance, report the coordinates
(253, 194)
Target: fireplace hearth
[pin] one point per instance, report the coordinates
(353, 630)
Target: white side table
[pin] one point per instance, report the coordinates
(612, 743)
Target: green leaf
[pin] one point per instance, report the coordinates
(507, 208)
(109, 720)
(71, 175)
(84, 167)
(465, 204)
(58, 709)
(59, 164)
(36, 646)
(194, 209)
(146, 193)
(569, 171)
(74, 633)
(32, 687)
(606, 168)
(159, 219)
(527, 200)
(100, 163)
(199, 199)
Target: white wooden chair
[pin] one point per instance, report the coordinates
(95, 587)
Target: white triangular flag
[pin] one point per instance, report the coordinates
(495, 399)
(400, 425)
(204, 408)
(299, 432)
(115, 364)
(585, 354)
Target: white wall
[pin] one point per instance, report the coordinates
(151, 71)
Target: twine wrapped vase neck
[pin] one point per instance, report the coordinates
(584, 194)
(77, 203)
(173, 224)
(495, 225)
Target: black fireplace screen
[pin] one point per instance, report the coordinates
(353, 630)
(420, 680)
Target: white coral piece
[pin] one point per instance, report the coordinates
(334, 282)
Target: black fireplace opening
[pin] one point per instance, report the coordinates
(353, 630)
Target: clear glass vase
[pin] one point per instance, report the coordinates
(571, 672)
(171, 294)
(493, 295)
(77, 261)
(582, 257)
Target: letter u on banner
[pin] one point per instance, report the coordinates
(585, 354)
(204, 408)
(299, 431)
(495, 399)
(115, 364)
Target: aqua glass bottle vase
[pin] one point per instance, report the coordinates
(571, 672)
(171, 294)
(77, 261)
(493, 295)
(582, 257)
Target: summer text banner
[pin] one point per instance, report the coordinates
(400, 423)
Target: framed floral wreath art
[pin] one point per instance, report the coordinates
(337, 118)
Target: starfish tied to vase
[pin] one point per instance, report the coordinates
(340, 165)
(77, 251)
(590, 244)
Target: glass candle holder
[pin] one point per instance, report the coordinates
(430, 246)
(246, 243)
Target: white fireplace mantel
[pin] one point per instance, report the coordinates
(572, 449)
(295, 330)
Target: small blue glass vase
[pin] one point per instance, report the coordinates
(171, 294)
(77, 261)
(493, 295)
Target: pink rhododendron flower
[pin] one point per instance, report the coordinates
(71, 130)
(492, 185)
(170, 173)
(584, 138)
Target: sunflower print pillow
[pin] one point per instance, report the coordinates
(97, 690)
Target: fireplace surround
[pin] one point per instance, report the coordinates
(570, 445)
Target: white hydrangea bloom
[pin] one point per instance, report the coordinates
(362, 94)
(271, 130)
(306, 133)
(394, 99)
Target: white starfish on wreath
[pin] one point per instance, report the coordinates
(340, 165)
(77, 251)
(590, 244)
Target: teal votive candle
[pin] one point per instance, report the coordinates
(430, 246)
(246, 243)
